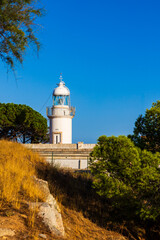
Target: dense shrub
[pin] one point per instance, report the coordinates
(130, 177)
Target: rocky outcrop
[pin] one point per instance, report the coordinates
(6, 232)
(49, 210)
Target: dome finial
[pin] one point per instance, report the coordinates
(60, 77)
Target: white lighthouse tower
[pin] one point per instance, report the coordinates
(60, 115)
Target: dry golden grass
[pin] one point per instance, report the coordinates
(18, 220)
(79, 227)
(17, 168)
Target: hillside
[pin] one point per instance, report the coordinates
(80, 203)
(85, 214)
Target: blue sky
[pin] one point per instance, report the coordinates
(109, 54)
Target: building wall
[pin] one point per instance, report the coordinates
(69, 163)
(74, 156)
(64, 125)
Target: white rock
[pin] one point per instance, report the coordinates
(52, 202)
(6, 232)
(43, 185)
(51, 218)
(49, 210)
(42, 236)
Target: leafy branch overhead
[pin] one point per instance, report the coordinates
(17, 29)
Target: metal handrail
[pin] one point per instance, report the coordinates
(50, 112)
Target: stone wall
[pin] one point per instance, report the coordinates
(79, 145)
(74, 156)
(51, 146)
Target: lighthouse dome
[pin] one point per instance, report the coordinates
(61, 90)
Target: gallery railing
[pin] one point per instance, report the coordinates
(51, 113)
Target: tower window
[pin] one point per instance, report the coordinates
(61, 100)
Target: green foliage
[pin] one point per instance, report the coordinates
(22, 122)
(147, 129)
(17, 28)
(130, 177)
(124, 161)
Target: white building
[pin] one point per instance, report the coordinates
(60, 115)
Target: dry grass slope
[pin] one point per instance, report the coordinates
(18, 165)
(17, 168)
(86, 215)
(17, 189)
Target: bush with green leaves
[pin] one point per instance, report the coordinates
(130, 177)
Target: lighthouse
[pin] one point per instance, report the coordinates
(60, 115)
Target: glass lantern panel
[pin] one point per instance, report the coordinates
(61, 100)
